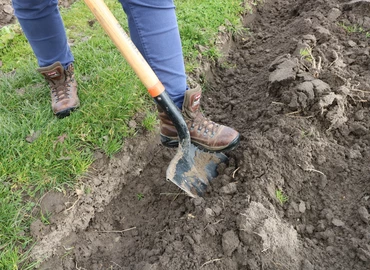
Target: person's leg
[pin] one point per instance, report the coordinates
(43, 26)
(154, 31)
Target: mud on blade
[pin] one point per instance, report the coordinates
(191, 169)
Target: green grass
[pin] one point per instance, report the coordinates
(40, 152)
(199, 21)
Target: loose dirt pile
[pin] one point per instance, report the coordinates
(297, 88)
(6, 10)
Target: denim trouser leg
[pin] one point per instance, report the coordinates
(43, 26)
(154, 30)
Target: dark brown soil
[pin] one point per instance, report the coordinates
(304, 131)
(6, 10)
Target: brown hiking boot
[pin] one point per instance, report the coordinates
(63, 87)
(204, 133)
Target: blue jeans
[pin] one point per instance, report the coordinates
(153, 29)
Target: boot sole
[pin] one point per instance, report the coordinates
(66, 112)
(172, 143)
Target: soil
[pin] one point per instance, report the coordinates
(6, 10)
(304, 125)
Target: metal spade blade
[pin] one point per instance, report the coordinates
(192, 169)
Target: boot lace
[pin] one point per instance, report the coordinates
(200, 122)
(61, 90)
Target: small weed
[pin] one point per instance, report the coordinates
(282, 198)
(45, 218)
(140, 196)
(354, 29)
(306, 54)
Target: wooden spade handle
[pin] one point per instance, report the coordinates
(126, 46)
